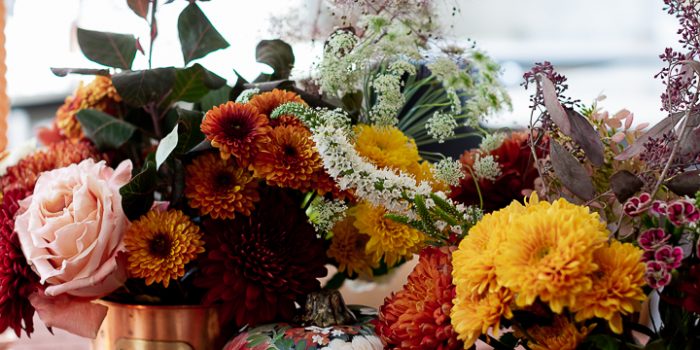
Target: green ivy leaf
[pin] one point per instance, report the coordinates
(603, 342)
(137, 195)
(109, 49)
(138, 88)
(215, 97)
(166, 146)
(198, 37)
(192, 83)
(276, 54)
(103, 129)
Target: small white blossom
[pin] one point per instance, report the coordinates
(486, 167)
(444, 69)
(448, 171)
(247, 94)
(390, 100)
(440, 225)
(441, 126)
(324, 213)
(402, 67)
(456, 230)
(337, 333)
(492, 141)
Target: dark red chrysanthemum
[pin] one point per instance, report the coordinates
(22, 176)
(518, 173)
(418, 316)
(17, 280)
(256, 267)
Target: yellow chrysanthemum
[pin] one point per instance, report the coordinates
(617, 285)
(388, 239)
(560, 335)
(160, 244)
(475, 260)
(220, 189)
(476, 314)
(99, 94)
(386, 146)
(348, 248)
(549, 253)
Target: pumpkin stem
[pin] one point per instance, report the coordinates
(326, 308)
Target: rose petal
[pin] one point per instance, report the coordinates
(75, 315)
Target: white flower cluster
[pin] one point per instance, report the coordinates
(339, 70)
(341, 43)
(486, 167)
(247, 94)
(441, 126)
(401, 67)
(389, 100)
(472, 85)
(448, 171)
(491, 142)
(324, 213)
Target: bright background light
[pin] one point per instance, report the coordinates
(608, 47)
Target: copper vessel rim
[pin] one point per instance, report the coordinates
(154, 307)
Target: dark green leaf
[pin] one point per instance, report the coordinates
(603, 342)
(137, 195)
(190, 133)
(166, 146)
(103, 129)
(62, 72)
(238, 87)
(336, 281)
(194, 82)
(215, 98)
(276, 54)
(585, 136)
(625, 184)
(685, 184)
(572, 174)
(138, 88)
(140, 7)
(197, 35)
(271, 85)
(109, 49)
(509, 339)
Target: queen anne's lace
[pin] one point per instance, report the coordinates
(441, 126)
(448, 171)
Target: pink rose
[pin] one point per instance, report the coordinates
(71, 228)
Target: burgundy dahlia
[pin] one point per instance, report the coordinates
(518, 173)
(17, 280)
(257, 267)
(418, 316)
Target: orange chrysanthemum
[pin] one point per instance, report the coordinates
(23, 175)
(236, 129)
(617, 285)
(99, 94)
(561, 335)
(290, 158)
(160, 244)
(266, 102)
(348, 249)
(220, 189)
(418, 316)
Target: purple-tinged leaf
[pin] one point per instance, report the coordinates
(587, 137)
(657, 130)
(140, 7)
(685, 184)
(572, 174)
(554, 107)
(624, 185)
(62, 72)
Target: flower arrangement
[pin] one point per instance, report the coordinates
(166, 186)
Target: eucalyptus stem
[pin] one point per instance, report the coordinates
(153, 33)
